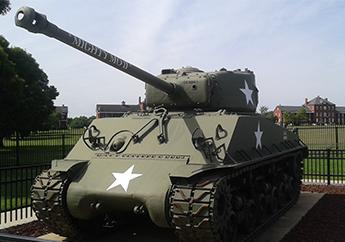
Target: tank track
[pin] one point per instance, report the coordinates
(235, 207)
(47, 197)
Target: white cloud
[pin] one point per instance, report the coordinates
(294, 47)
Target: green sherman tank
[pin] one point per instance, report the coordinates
(197, 160)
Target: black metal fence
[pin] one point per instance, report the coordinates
(22, 159)
(322, 137)
(325, 166)
(39, 147)
(15, 184)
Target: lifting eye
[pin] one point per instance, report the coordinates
(194, 87)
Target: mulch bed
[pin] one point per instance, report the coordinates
(34, 229)
(324, 222)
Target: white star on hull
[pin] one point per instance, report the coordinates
(123, 179)
(258, 135)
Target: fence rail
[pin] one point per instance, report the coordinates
(322, 137)
(325, 166)
(38, 147)
(322, 166)
(15, 185)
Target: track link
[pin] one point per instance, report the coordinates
(221, 209)
(48, 201)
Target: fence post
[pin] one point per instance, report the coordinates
(328, 167)
(17, 148)
(63, 146)
(336, 139)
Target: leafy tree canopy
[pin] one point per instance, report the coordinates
(5, 6)
(26, 99)
(264, 111)
(80, 122)
(296, 118)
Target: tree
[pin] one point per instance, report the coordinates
(264, 111)
(296, 118)
(4, 6)
(26, 100)
(301, 116)
(53, 121)
(289, 118)
(80, 122)
(9, 83)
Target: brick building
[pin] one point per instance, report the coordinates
(115, 110)
(63, 111)
(319, 111)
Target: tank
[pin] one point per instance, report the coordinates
(197, 160)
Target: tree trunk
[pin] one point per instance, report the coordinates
(2, 142)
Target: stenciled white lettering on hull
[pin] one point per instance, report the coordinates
(97, 52)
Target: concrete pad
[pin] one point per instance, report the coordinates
(52, 237)
(274, 233)
(285, 223)
(128, 234)
(19, 216)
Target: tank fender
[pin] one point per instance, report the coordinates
(192, 173)
(68, 165)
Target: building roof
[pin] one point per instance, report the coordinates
(61, 109)
(116, 108)
(319, 100)
(293, 109)
(340, 109)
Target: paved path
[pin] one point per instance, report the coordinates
(273, 234)
(286, 222)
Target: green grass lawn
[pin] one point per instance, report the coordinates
(47, 138)
(32, 155)
(39, 147)
(42, 147)
(318, 169)
(15, 185)
(322, 137)
(16, 202)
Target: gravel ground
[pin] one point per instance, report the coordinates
(324, 222)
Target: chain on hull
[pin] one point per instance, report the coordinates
(235, 207)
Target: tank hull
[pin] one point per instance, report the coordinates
(161, 180)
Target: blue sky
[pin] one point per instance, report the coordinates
(295, 48)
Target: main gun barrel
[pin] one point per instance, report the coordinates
(35, 22)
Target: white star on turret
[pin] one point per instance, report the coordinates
(123, 179)
(247, 92)
(258, 135)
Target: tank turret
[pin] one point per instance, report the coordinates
(181, 89)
